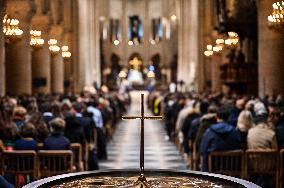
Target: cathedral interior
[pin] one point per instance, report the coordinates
(211, 69)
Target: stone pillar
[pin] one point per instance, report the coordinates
(67, 64)
(88, 65)
(270, 53)
(69, 40)
(18, 53)
(2, 52)
(216, 82)
(57, 73)
(188, 42)
(41, 57)
(56, 61)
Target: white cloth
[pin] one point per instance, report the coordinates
(97, 116)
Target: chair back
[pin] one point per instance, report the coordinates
(77, 156)
(265, 162)
(227, 162)
(54, 162)
(40, 146)
(281, 167)
(19, 163)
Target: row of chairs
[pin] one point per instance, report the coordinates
(43, 163)
(245, 164)
(241, 163)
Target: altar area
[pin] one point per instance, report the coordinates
(135, 75)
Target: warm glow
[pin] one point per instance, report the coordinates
(53, 46)
(276, 18)
(220, 41)
(209, 47)
(153, 42)
(116, 42)
(65, 52)
(36, 40)
(151, 74)
(130, 43)
(208, 53)
(52, 42)
(173, 17)
(122, 74)
(11, 29)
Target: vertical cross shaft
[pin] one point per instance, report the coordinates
(142, 136)
(142, 117)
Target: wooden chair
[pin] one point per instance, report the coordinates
(54, 162)
(194, 156)
(264, 162)
(19, 163)
(281, 167)
(77, 156)
(227, 162)
(40, 146)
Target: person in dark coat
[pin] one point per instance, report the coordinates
(219, 137)
(279, 130)
(185, 129)
(27, 140)
(47, 112)
(57, 140)
(4, 183)
(234, 115)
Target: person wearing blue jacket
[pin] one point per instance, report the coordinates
(4, 183)
(219, 137)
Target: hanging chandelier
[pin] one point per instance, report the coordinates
(53, 46)
(276, 18)
(233, 38)
(65, 52)
(11, 29)
(209, 50)
(231, 41)
(36, 40)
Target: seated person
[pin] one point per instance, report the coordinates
(19, 114)
(219, 137)
(27, 141)
(4, 183)
(57, 140)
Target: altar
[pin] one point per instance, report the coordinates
(135, 75)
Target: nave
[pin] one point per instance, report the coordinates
(123, 150)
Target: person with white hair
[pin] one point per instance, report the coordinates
(245, 122)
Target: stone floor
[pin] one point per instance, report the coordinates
(123, 151)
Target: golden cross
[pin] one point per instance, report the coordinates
(135, 62)
(142, 117)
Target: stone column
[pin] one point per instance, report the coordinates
(41, 57)
(56, 61)
(215, 65)
(270, 53)
(57, 73)
(2, 51)
(18, 53)
(188, 51)
(88, 68)
(67, 65)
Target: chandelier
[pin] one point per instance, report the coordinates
(53, 46)
(231, 41)
(36, 40)
(65, 52)
(11, 29)
(276, 18)
(233, 38)
(209, 50)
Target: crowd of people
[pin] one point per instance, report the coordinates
(218, 122)
(59, 120)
